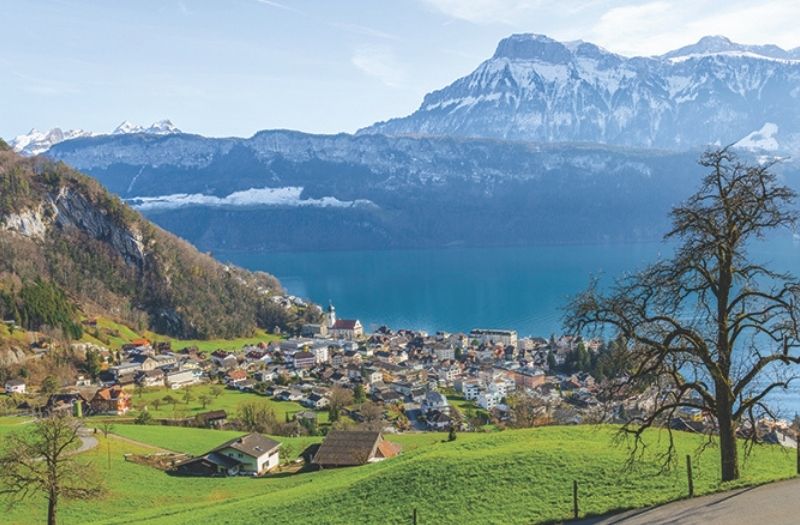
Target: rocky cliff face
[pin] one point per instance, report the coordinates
(62, 234)
(68, 208)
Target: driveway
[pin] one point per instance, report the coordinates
(773, 504)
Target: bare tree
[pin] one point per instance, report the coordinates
(339, 398)
(107, 427)
(710, 324)
(373, 415)
(40, 461)
(526, 410)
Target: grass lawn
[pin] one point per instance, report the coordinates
(520, 476)
(228, 400)
(114, 335)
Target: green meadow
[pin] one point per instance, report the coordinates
(228, 400)
(515, 476)
(113, 334)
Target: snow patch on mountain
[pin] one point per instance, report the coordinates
(761, 140)
(290, 196)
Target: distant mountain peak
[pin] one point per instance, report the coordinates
(161, 127)
(721, 45)
(36, 142)
(531, 46)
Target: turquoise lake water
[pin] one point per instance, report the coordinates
(521, 288)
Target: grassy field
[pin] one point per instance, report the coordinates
(522, 476)
(228, 400)
(114, 334)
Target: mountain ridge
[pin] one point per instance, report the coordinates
(538, 89)
(36, 142)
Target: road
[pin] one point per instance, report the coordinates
(88, 442)
(773, 504)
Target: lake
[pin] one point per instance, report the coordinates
(457, 289)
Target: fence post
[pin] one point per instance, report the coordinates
(689, 474)
(797, 441)
(575, 498)
(414, 516)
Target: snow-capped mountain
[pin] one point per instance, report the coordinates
(162, 127)
(535, 88)
(36, 142)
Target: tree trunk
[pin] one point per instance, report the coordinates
(729, 454)
(52, 504)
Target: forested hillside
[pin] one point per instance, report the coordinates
(70, 250)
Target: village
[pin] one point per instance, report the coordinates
(333, 379)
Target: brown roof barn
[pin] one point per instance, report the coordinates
(342, 448)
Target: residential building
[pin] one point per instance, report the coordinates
(304, 359)
(111, 400)
(342, 448)
(15, 386)
(488, 399)
(347, 329)
(181, 378)
(252, 454)
(150, 377)
(495, 337)
(435, 401)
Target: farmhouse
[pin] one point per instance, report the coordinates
(111, 400)
(342, 448)
(72, 403)
(252, 455)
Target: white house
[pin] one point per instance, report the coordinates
(252, 455)
(434, 401)
(501, 337)
(471, 389)
(15, 386)
(321, 353)
(180, 378)
(488, 399)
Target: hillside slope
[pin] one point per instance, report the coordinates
(510, 477)
(69, 249)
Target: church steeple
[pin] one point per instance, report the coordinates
(331, 314)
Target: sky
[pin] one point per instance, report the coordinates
(233, 67)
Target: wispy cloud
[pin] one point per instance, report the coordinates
(654, 27)
(509, 12)
(279, 5)
(365, 31)
(46, 86)
(380, 63)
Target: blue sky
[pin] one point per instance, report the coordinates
(237, 66)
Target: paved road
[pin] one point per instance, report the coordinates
(88, 442)
(772, 504)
